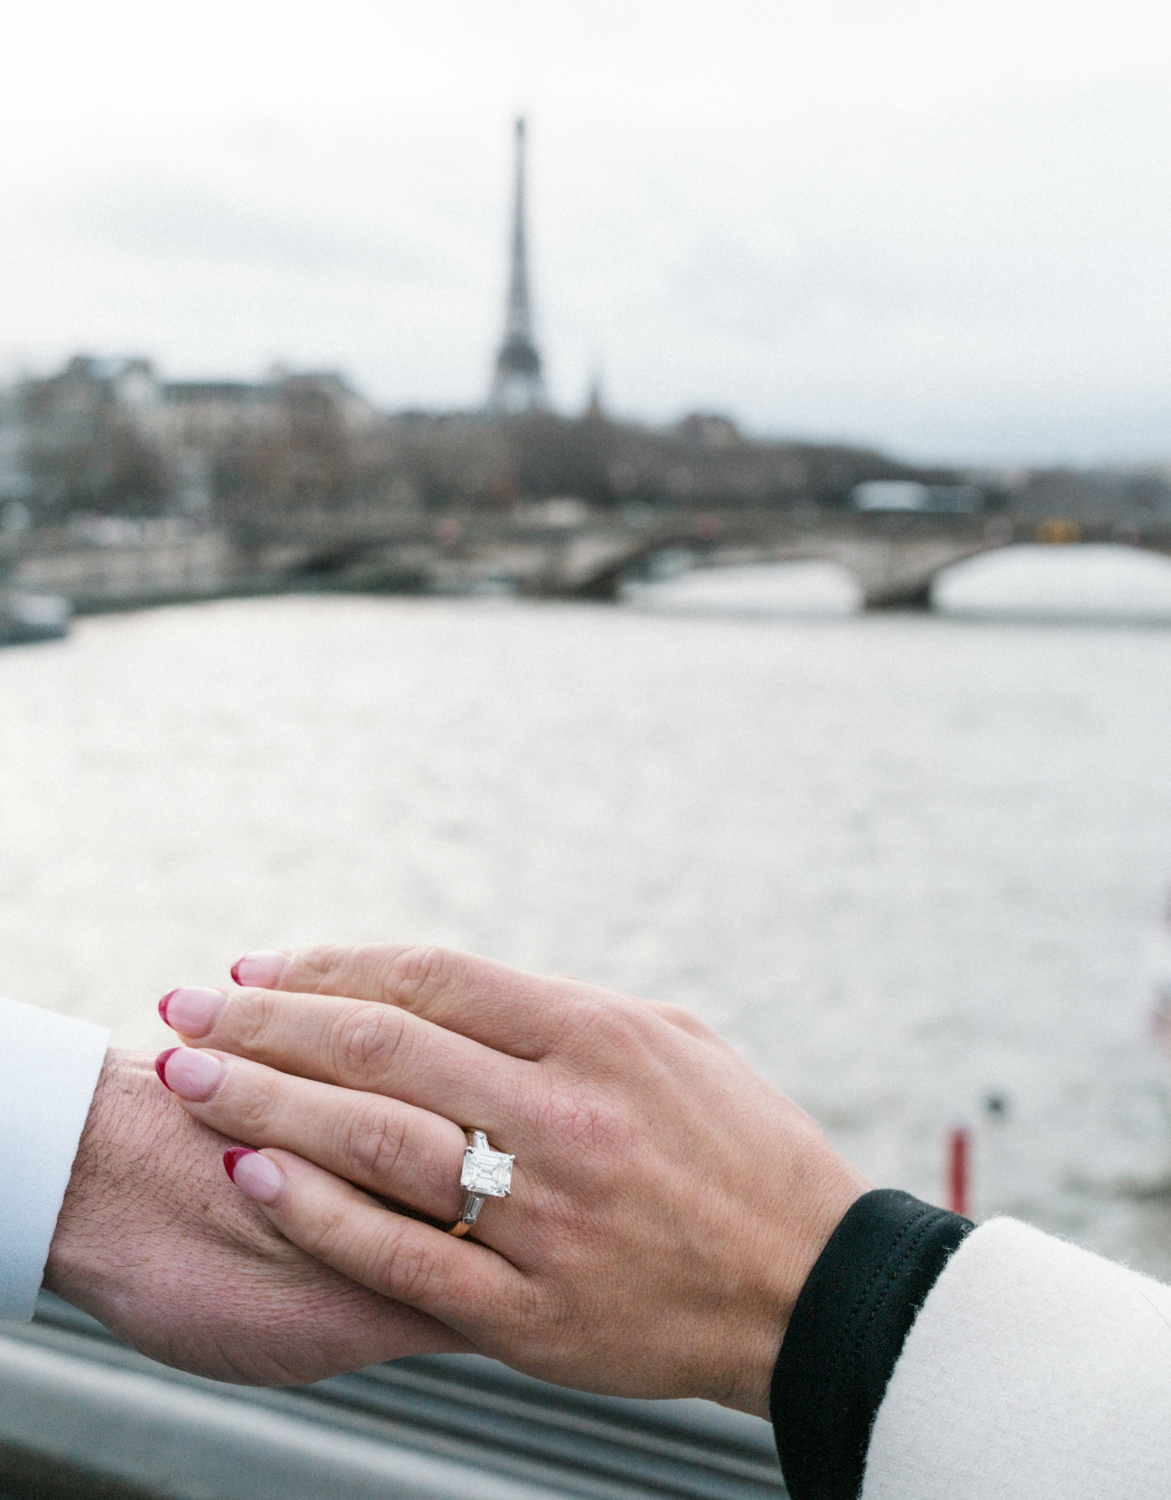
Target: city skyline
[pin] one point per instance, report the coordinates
(943, 235)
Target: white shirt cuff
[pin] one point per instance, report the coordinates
(49, 1066)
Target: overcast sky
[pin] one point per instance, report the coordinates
(943, 228)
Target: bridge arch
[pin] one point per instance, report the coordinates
(1103, 579)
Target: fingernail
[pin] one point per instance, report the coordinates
(261, 970)
(190, 1073)
(161, 1065)
(192, 1012)
(255, 1175)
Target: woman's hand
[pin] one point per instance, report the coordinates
(667, 1204)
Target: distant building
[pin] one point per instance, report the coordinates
(707, 430)
(92, 437)
(1131, 492)
(203, 412)
(108, 436)
(14, 477)
(913, 495)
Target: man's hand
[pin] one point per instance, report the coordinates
(667, 1203)
(154, 1241)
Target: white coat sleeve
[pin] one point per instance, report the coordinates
(1035, 1369)
(49, 1066)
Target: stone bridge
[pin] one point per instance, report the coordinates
(539, 551)
(894, 556)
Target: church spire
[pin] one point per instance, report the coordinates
(517, 384)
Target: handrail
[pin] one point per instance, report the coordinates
(428, 1428)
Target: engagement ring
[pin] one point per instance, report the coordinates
(486, 1174)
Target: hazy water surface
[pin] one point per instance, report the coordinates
(901, 862)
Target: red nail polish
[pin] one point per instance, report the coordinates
(163, 1003)
(232, 1156)
(235, 980)
(161, 1066)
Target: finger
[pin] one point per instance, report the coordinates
(391, 1148)
(501, 1007)
(397, 1257)
(357, 1045)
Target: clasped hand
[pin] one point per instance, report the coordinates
(667, 1203)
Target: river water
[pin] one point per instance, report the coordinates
(903, 863)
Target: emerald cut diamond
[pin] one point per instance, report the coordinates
(486, 1173)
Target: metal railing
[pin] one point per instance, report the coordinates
(83, 1416)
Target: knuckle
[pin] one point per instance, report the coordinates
(367, 1042)
(417, 973)
(256, 1023)
(406, 1269)
(373, 1143)
(327, 1228)
(675, 1014)
(614, 1033)
(684, 1020)
(256, 1102)
(626, 1022)
(313, 968)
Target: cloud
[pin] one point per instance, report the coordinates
(180, 223)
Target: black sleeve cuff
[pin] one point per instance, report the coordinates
(846, 1334)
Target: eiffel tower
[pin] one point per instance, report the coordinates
(517, 384)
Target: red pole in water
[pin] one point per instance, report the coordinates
(959, 1152)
